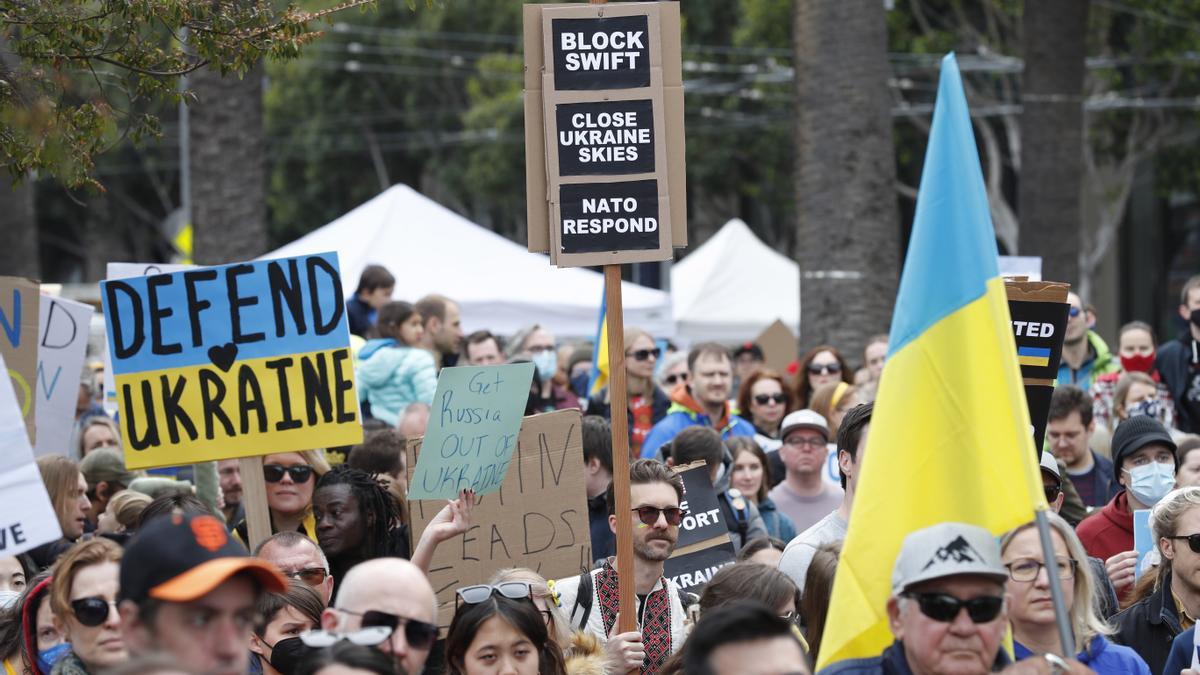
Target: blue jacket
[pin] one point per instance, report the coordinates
(778, 525)
(1102, 656)
(891, 662)
(391, 376)
(1181, 652)
(360, 316)
(680, 417)
(1174, 364)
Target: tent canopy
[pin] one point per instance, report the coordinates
(498, 284)
(733, 286)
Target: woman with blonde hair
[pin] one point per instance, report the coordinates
(1032, 613)
(123, 512)
(83, 597)
(646, 402)
(291, 478)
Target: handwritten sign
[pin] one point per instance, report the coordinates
(27, 519)
(472, 430)
(18, 344)
(222, 362)
(537, 519)
(62, 347)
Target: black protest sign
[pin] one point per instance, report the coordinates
(1038, 328)
(603, 53)
(605, 138)
(609, 216)
(704, 519)
(691, 571)
(1037, 397)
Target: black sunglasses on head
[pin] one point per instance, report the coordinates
(300, 473)
(418, 634)
(944, 607)
(92, 611)
(1193, 541)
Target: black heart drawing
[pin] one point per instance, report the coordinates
(223, 356)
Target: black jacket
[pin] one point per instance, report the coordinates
(1174, 364)
(1149, 626)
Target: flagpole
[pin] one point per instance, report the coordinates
(1062, 617)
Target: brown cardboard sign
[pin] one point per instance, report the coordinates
(538, 518)
(780, 346)
(19, 303)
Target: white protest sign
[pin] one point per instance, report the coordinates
(118, 270)
(62, 347)
(27, 519)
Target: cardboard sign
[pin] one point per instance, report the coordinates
(230, 361)
(18, 344)
(537, 519)
(472, 430)
(604, 114)
(122, 270)
(27, 519)
(780, 346)
(609, 216)
(691, 571)
(62, 347)
(704, 519)
(606, 137)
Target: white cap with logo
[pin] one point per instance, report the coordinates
(804, 419)
(944, 550)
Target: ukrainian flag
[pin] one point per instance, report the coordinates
(949, 439)
(1034, 356)
(598, 378)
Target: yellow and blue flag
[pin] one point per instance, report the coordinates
(598, 378)
(950, 438)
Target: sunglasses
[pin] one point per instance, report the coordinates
(300, 473)
(822, 368)
(1193, 541)
(649, 515)
(763, 399)
(92, 611)
(513, 590)
(944, 608)
(1052, 492)
(1073, 312)
(672, 379)
(645, 354)
(366, 637)
(418, 634)
(313, 576)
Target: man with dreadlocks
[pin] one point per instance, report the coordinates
(357, 520)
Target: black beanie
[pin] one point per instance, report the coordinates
(1136, 433)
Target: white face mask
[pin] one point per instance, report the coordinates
(1151, 482)
(8, 599)
(546, 363)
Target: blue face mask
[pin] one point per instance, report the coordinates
(546, 363)
(579, 384)
(48, 657)
(1151, 482)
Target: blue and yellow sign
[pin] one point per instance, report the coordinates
(232, 361)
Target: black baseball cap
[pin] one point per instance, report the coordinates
(181, 557)
(748, 348)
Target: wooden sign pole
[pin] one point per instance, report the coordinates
(254, 501)
(617, 394)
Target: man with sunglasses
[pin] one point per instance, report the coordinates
(591, 600)
(298, 557)
(391, 594)
(1085, 355)
(703, 401)
(189, 590)
(948, 610)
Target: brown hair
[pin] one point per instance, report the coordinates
(81, 555)
(705, 349)
(1124, 384)
(740, 444)
(298, 595)
(748, 581)
(1186, 444)
(743, 396)
(818, 587)
(61, 477)
(804, 390)
(645, 472)
(823, 401)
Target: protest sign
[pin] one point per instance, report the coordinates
(121, 270)
(604, 102)
(1143, 543)
(230, 361)
(692, 569)
(27, 519)
(18, 346)
(780, 346)
(473, 427)
(62, 347)
(1038, 310)
(704, 545)
(537, 519)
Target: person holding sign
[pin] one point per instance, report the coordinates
(290, 477)
(393, 371)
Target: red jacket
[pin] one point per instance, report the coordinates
(1109, 532)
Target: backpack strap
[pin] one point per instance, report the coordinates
(583, 602)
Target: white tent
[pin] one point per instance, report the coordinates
(499, 285)
(734, 286)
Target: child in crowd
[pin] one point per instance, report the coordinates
(392, 370)
(374, 290)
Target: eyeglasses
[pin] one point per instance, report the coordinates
(313, 576)
(672, 379)
(1074, 312)
(822, 368)
(649, 515)
(763, 399)
(1027, 569)
(366, 637)
(1052, 492)
(1193, 541)
(538, 349)
(645, 354)
(804, 441)
(418, 634)
(943, 607)
(513, 590)
(300, 473)
(92, 611)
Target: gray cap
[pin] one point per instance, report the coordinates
(106, 464)
(945, 550)
(804, 419)
(1050, 464)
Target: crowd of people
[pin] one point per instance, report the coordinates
(153, 573)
